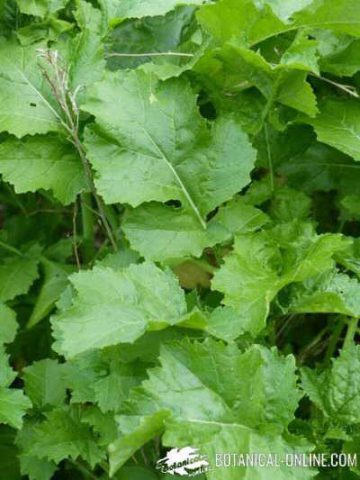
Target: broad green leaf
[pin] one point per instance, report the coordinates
(85, 52)
(21, 79)
(215, 412)
(233, 68)
(173, 32)
(8, 324)
(295, 92)
(240, 19)
(101, 377)
(55, 282)
(225, 323)
(132, 301)
(142, 8)
(62, 435)
(161, 233)
(44, 383)
(41, 8)
(237, 217)
(18, 273)
(336, 391)
(302, 55)
(13, 406)
(41, 162)
(104, 424)
(338, 125)
(332, 293)
(344, 61)
(284, 10)
(36, 468)
(134, 142)
(265, 262)
(321, 168)
(338, 15)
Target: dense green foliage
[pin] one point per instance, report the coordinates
(179, 244)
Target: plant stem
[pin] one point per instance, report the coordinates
(334, 341)
(271, 169)
(74, 236)
(151, 54)
(87, 227)
(349, 89)
(351, 332)
(86, 473)
(88, 173)
(67, 102)
(10, 248)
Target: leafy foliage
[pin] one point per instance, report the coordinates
(179, 251)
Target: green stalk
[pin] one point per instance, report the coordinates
(351, 332)
(10, 248)
(88, 223)
(334, 341)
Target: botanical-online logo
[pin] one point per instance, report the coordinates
(185, 461)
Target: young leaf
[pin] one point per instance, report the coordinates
(337, 391)
(112, 307)
(257, 269)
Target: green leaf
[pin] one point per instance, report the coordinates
(351, 203)
(160, 232)
(13, 406)
(101, 377)
(321, 168)
(331, 293)
(41, 8)
(44, 383)
(173, 32)
(295, 92)
(9, 463)
(338, 125)
(343, 61)
(135, 432)
(141, 8)
(36, 468)
(215, 412)
(131, 301)
(55, 282)
(229, 19)
(336, 391)
(302, 55)
(263, 263)
(8, 324)
(21, 79)
(285, 10)
(182, 159)
(62, 435)
(18, 273)
(338, 15)
(85, 52)
(40, 162)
